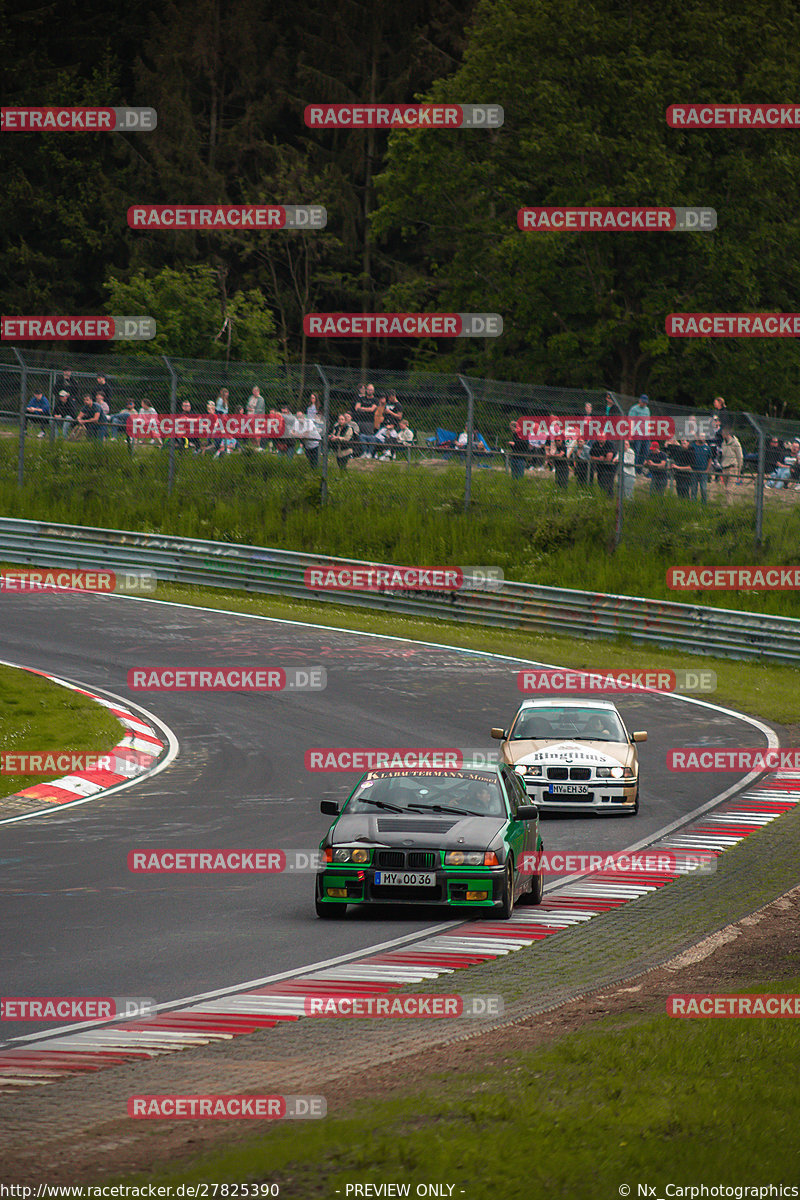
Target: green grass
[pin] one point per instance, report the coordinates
(37, 715)
(766, 690)
(406, 514)
(627, 1101)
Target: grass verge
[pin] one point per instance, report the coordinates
(37, 715)
(712, 1103)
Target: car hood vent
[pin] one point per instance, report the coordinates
(413, 825)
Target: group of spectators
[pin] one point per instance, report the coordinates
(73, 406)
(687, 461)
(373, 427)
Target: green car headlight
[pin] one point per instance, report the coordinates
(353, 854)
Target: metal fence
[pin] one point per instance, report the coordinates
(400, 433)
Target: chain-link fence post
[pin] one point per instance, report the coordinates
(759, 509)
(326, 418)
(470, 427)
(23, 391)
(620, 491)
(173, 408)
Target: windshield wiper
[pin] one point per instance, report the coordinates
(458, 812)
(380, 804)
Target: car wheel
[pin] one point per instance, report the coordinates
(536, 894)
(329, 912)
(507, 894)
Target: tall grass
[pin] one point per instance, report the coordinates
(404, 513)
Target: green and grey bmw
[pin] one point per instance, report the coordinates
(453, 836)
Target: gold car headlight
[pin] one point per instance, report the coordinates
(351, 854)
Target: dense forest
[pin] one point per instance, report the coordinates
(417, 220)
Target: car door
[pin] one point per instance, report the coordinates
(521, 835)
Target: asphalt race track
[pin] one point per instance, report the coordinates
(76, 922)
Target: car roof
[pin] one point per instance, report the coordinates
(568, 702)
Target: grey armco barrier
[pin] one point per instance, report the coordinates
(695, 628)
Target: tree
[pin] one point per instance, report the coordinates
(194, 317)
(585, 91)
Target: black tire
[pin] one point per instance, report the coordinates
(329, 912)
(507, 894)
(536, 894)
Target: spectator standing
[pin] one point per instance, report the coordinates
(37, 412)
(105, 408)
(556, 453)
(312, 411)
(601, 455)
(187, 443)
(287, 445)
(313, 438)
(682, 458)
(69, 385)
(256, 407)
(221, 410)
(341, 438)
(578, 456)
(628, 475)
(640, 409)
(731, 459)
(64, 412)
(365, 410)
(702, 458)
(656, 464)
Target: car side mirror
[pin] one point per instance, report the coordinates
(500, 735)
(527, 812)
(640, 736)
(329, 807)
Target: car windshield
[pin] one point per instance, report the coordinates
(581, 724)
(462, 793)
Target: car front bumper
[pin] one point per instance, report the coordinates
(602, 795)
(472, 887)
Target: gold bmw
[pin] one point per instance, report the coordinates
(574, 755)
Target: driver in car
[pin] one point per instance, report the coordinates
(597, 728)
(481, 800)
